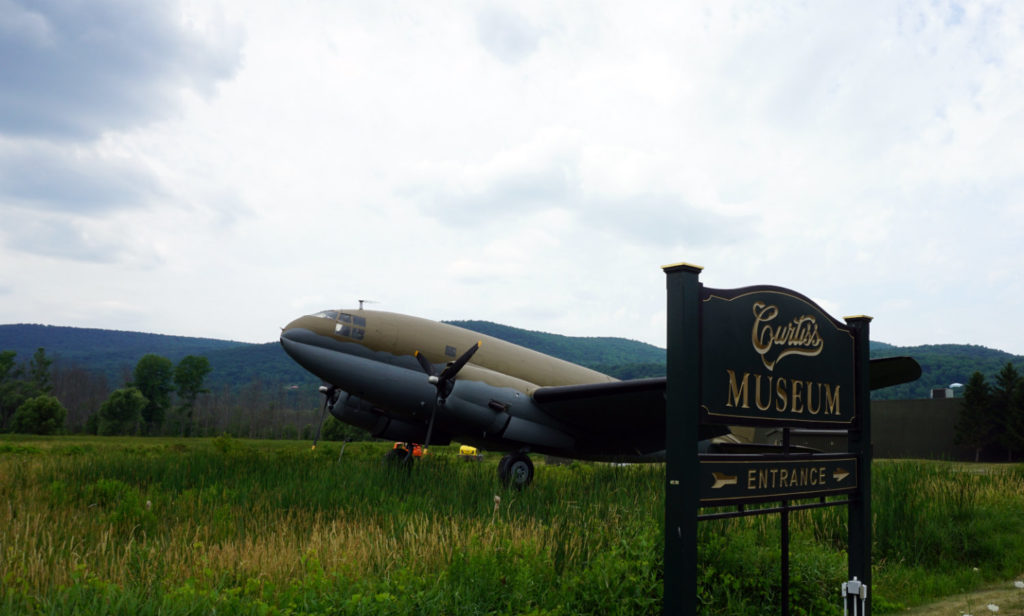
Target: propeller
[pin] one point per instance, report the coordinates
(330, 394)
(443, 382)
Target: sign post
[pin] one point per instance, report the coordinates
(859, 529)
(759, 356)
(681, 468)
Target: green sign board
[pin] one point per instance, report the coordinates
(736, 480)
(773, 357)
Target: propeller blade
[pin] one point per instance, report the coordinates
(442, 382)
(424, 363)
(328, 393)
(430, 424)
(452, 369)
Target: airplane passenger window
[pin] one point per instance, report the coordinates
(359, 321)
(345, 318)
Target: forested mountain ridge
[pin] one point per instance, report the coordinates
(75, 343)
(113, 353)
(236, 364)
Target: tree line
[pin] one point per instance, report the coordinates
(26, 400)
(157, 397)
(992, 419)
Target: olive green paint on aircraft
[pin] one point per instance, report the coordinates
(441, 343)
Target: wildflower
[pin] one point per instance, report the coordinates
(992, 607)
(1019, 584)
(497, 503)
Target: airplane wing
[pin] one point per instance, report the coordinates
(625, 411)
(641, 401)
(634, 411)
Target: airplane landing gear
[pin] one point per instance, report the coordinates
(398, 458)
(515, 470)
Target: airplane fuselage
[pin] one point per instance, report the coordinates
(369, 356)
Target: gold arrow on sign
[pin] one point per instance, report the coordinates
(840, 474)
(722, 480)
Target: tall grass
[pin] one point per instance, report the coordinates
(192, 526)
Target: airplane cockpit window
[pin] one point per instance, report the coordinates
(350, 326)
(347, 325)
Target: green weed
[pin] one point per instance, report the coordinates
(226, 525)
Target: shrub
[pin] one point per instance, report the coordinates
(40, 415)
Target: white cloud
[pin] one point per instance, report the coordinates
(79, 69)
(529, 163)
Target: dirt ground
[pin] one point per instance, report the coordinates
(1009, 599)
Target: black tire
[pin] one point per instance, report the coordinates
(398, 459)
(515, 470)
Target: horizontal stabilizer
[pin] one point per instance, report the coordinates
(889, 371)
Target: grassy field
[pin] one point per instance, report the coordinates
(200, 526)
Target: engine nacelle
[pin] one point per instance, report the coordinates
(362, 414)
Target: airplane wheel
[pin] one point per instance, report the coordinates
(398, 458)
(515, 470)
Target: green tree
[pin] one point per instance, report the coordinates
(152, 377)
(121, 413)
(39, 372)
(976, 427)
(1006, 398)
(189, 375)
(43, 414)
(10, 390)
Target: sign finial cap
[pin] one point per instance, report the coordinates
(682, 266)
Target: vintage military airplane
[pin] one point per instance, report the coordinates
(404, 378)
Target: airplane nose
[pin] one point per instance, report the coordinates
(302, 329)
(304, 344)
(295, 334)
(288, 331)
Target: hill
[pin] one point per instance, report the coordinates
(236, 364)
(114, 353)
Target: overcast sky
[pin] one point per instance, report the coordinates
(217, 169)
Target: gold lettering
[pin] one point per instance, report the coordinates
(757, 393)
(783, 395)
(831, 400)
(751, 478)
(737, 393)
(783, 477)
(761, 337)
(780, 394)
(797, 395)
(799, 337)
(811, 408)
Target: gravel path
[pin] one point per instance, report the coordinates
(1008, 598)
